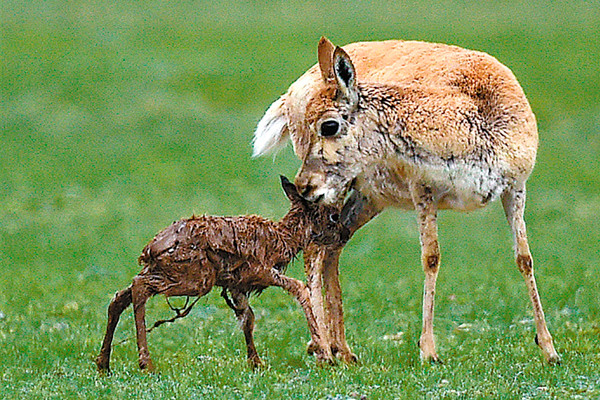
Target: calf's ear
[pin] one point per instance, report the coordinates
(290, 189)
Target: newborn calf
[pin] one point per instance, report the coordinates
(242, 255)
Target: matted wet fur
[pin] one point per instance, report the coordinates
(414, 125)
(242, 255)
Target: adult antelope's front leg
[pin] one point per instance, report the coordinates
(430, 259)
(313, 268)
(322, 269)
(357, 211)
(334, 306)
(513, 201)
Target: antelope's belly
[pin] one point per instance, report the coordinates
(459, 185)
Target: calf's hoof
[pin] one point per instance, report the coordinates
(325, 360)
(255, 362)
(348, 357)
(147, 366)
(323, 354)
(103, 365)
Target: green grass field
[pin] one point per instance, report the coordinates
(120, 117)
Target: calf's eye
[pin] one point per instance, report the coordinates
(330, 128)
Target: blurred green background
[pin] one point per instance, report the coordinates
(119, 117)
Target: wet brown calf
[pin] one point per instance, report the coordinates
(242, 255)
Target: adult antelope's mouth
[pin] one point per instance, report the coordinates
(322, 196)
(318, 199)
(329, 190)
(312, 195)
(351, 184)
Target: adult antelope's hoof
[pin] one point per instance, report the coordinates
(429, 355)
(434, 360)
(554, 360)
(325, 360)
(311, 348)
(347, 357)
(431, 358)
(551, 356)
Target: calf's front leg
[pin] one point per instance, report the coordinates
(300, 291)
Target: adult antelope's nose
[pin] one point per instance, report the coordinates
(305, 187)
(307, 191)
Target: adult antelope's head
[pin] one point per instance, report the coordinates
(328, 124)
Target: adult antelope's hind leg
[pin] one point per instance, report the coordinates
(335, 310)
(245, 315)
(430, 259)
(513, 201)
(120, 302)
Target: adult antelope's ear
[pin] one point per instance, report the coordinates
(290, 190)
(345, 76)
(325, 54)
(272, 130)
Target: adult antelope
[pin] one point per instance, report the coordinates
(412, 125)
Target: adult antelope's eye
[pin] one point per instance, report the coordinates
(330, 128)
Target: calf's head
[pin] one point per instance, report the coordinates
(322, 221)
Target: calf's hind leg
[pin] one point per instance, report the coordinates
(245, 315)
(513, 201)
(140, 292)
(119, 303)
